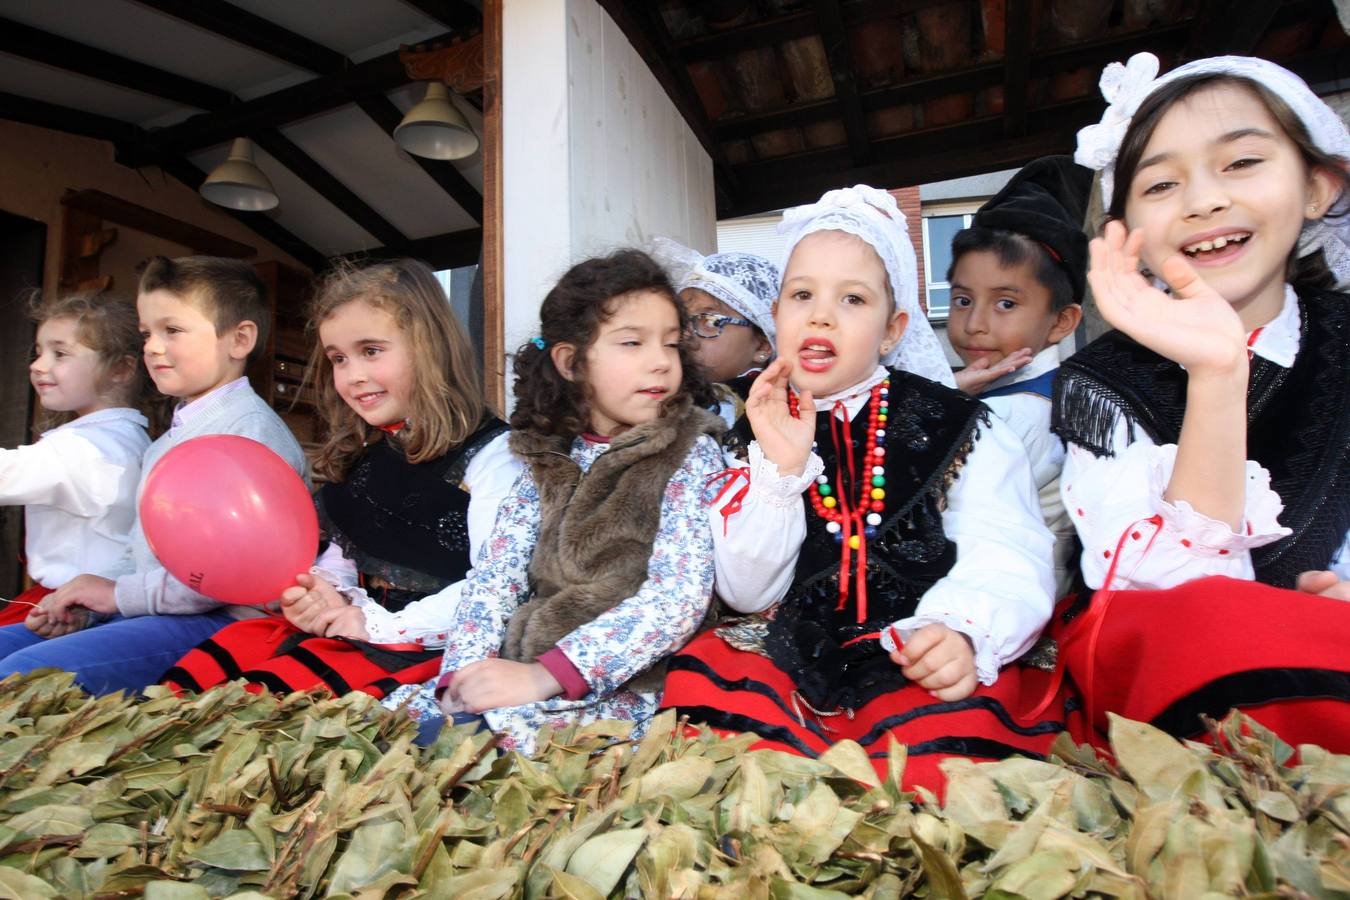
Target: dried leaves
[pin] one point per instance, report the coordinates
(235, 794)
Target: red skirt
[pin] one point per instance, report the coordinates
(13, 612)
(1167, 657)
(734, 691)
(271, 654)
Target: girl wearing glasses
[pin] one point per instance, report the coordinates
(729, 298)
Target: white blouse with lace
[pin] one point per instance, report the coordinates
(1118, 507)
(999, 593)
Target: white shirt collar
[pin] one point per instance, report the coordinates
(854, 398)
(108, 414)
(1045, 361)
(1278, 340)
(185, 412)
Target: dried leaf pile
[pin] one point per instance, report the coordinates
(232, 794)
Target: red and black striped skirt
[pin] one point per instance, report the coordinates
(736, 691)
(271, 654)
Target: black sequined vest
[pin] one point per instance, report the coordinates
(1298, 423)
(405, 526)
(929, 432)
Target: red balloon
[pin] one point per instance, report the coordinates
(229, 518)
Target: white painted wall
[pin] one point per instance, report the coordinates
(595, 155)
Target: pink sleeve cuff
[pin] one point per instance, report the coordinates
(442, 683)
(560, 667)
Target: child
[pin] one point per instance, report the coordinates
(1210, 435)
(729, 297)
(78, 482)
(416, 467)
(202, 319)
(1017, 279)
(600, 563)
(922, 527)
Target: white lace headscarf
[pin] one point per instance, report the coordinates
(874, 216)
(745, 282)
(1126, 86)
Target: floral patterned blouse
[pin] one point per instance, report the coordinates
(617, 645)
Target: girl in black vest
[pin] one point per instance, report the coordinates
(883, 527)
(416, 467)
(600, 562)
(1208, 469)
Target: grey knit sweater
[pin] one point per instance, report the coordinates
(147, 589)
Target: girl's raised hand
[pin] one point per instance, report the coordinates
(785, 439)
(1195, 327)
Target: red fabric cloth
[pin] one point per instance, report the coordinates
(1167, 656)
(735, 691)
(16, 610)
(271, 654)
(560, 667)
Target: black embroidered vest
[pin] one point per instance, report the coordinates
(403, 524)
(1298, 423)
(929, 432)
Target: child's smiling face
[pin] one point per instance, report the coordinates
(835, 315)
(998, 309)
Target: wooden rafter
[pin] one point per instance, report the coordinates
(1016, 66)
(294, 49)
(72, 121)
(254, 32)
(457, 15)
(385, 114)
(834, 34)
(451, 250)
(73, 56)
(123, 212)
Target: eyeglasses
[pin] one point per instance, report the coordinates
(710, 325)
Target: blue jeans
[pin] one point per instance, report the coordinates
(117, 655)
(429, 729)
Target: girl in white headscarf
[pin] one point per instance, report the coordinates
(1208, 467)
(881, 528)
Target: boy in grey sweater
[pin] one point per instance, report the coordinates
(203, 319)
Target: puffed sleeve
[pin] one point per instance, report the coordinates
(1000, 592)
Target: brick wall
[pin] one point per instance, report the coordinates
(908, 198)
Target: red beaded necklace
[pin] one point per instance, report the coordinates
(853, 525)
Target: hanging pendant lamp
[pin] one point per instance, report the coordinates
(435, 129)
(238, 183)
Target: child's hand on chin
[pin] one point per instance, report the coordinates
(1195, 327)
(496, 683)
(1323, 583)
(785, 440)
(941, 661)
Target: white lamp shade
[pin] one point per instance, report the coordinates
(238, 183)
(435, 129)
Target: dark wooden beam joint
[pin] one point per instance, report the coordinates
(1016, 66)
(114, 209)
(459, 65)
(834, 34)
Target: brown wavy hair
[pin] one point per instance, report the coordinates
(107, 324)
(446, 405)
(226, 291)
(572, 313)
(1307, 272)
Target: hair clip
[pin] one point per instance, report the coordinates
(538, 342)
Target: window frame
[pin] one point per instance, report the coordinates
(964, 208)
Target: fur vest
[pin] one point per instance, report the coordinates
(597, 528)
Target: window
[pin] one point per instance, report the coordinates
(938, 230)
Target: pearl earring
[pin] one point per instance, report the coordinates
(1312, 207)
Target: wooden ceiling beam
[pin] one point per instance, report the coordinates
(326, 92)
(71, 121)
(252, 31)
(834, 35)
(385, 114)
(289, 154)
(133, 215)
(451, 250)
(457, 15)
(1016, 66)
(72, 56)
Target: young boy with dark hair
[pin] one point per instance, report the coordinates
(1017, 279)
(203, 319)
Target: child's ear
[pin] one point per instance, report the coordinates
(895, 330)
(243, 338)
(1066, 320)
(1323, 191)
(124, 370)
(563, 355)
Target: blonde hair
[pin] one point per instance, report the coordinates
(108, 325)
(446, 402)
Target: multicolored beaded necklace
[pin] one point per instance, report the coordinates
(853, 525)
